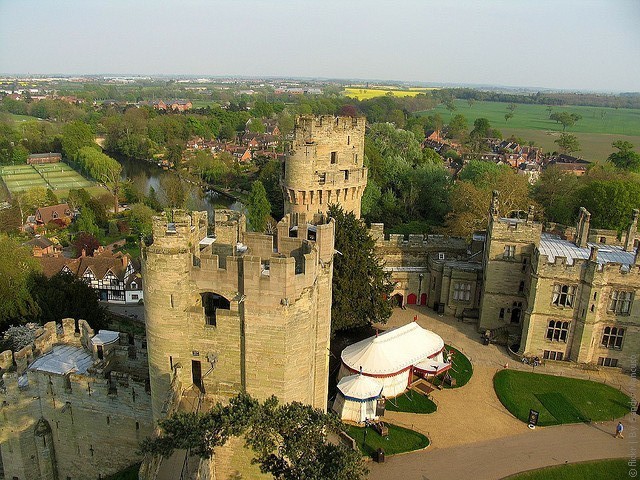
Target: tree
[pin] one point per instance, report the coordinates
(625, 158)
(173, 191)
(258, 207)
(29, 201)
(103, 168)
(257, 126)
(565, 118)
(85, 242)
(86, 222)
(141, 219)
(270, 178)
(610, 202)
(476, 171)
(457, 127)
(66, 296)
(17, 266)
(556, 191)
(76, 135)
(481, 128)
(470, 200)
(568, 143)
(361, 288)
(51, 198)
(290, 441)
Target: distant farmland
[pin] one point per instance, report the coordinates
(596, 130)
(366, 93)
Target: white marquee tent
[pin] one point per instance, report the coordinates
(391, 356)
(357, 397)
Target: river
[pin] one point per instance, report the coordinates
(146, 175)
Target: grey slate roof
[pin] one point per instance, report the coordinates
(553, 246)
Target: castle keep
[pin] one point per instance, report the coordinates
(239, 310)
(325, 165)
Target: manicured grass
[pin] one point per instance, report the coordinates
(462, 370)
(130, 473)
(558, 399)
(60, 177)
(367, 93)
(598, 470)
(399, 440)
(411, 402)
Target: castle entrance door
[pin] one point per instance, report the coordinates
(196, 373)
(412, 299)
(423, 299)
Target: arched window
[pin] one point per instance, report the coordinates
(211, 302)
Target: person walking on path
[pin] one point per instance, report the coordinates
(619, 430)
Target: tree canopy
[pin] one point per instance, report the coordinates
(289, 441)
(361, 288)
(568, 143)
(258, 207)
(625, 158)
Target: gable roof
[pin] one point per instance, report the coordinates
(46, 214)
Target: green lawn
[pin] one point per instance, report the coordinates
(558, 399)
(60, 177)
(411, 402)
(130, 473)
(399, 440)
(462, 370)
(599, 470)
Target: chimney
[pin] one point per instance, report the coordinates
(631, 231)
(582, 229)
(593, 255)
(83, 253)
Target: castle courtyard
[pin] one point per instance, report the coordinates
(473, 415)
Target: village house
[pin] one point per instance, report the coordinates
(43, 247)
(62, 211)
(570, 164)
(115, 277)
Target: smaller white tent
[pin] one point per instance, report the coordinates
(357, 397)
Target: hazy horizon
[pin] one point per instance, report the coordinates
(560, 45)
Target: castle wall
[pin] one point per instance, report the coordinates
(79, 426)
(325, 165)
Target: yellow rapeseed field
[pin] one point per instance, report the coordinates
(366, 93)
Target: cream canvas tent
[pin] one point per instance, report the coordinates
(357, 397)
(391, 356)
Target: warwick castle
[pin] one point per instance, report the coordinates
(228, 310)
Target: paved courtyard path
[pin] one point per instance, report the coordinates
(473, 436)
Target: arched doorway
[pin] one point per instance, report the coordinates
(423, 299)
(412, 299)
(515, 315)
(397, 300)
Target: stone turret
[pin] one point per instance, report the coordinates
(629, 243)
(325, 165)
(582, 228)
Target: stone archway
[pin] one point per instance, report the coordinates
(397, 300)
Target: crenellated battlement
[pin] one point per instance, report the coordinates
(309, 126)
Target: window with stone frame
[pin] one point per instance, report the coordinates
(563, 295)
(509, 251)
(607, 362)
(620, 302)
(612, 337)
(557, 331)
(551, 355)
(462, 291)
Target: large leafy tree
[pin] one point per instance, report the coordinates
(76, 135)
(289, 440)
(360, 285)
(66, 296)
(258, 207)
(103, 168)
(568, 143)
(556, 191)
(17, 267)
(610, 202)
(625, 158)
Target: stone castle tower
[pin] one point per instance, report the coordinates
(325, 165)
(508, 253)
(234, 311)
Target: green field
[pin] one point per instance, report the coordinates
(596, 130)
(367, 93)
(461, 370)
(411, 402)
(558, 399)
(59, 177)
(598, 470)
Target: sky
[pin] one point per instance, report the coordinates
(560, 44)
